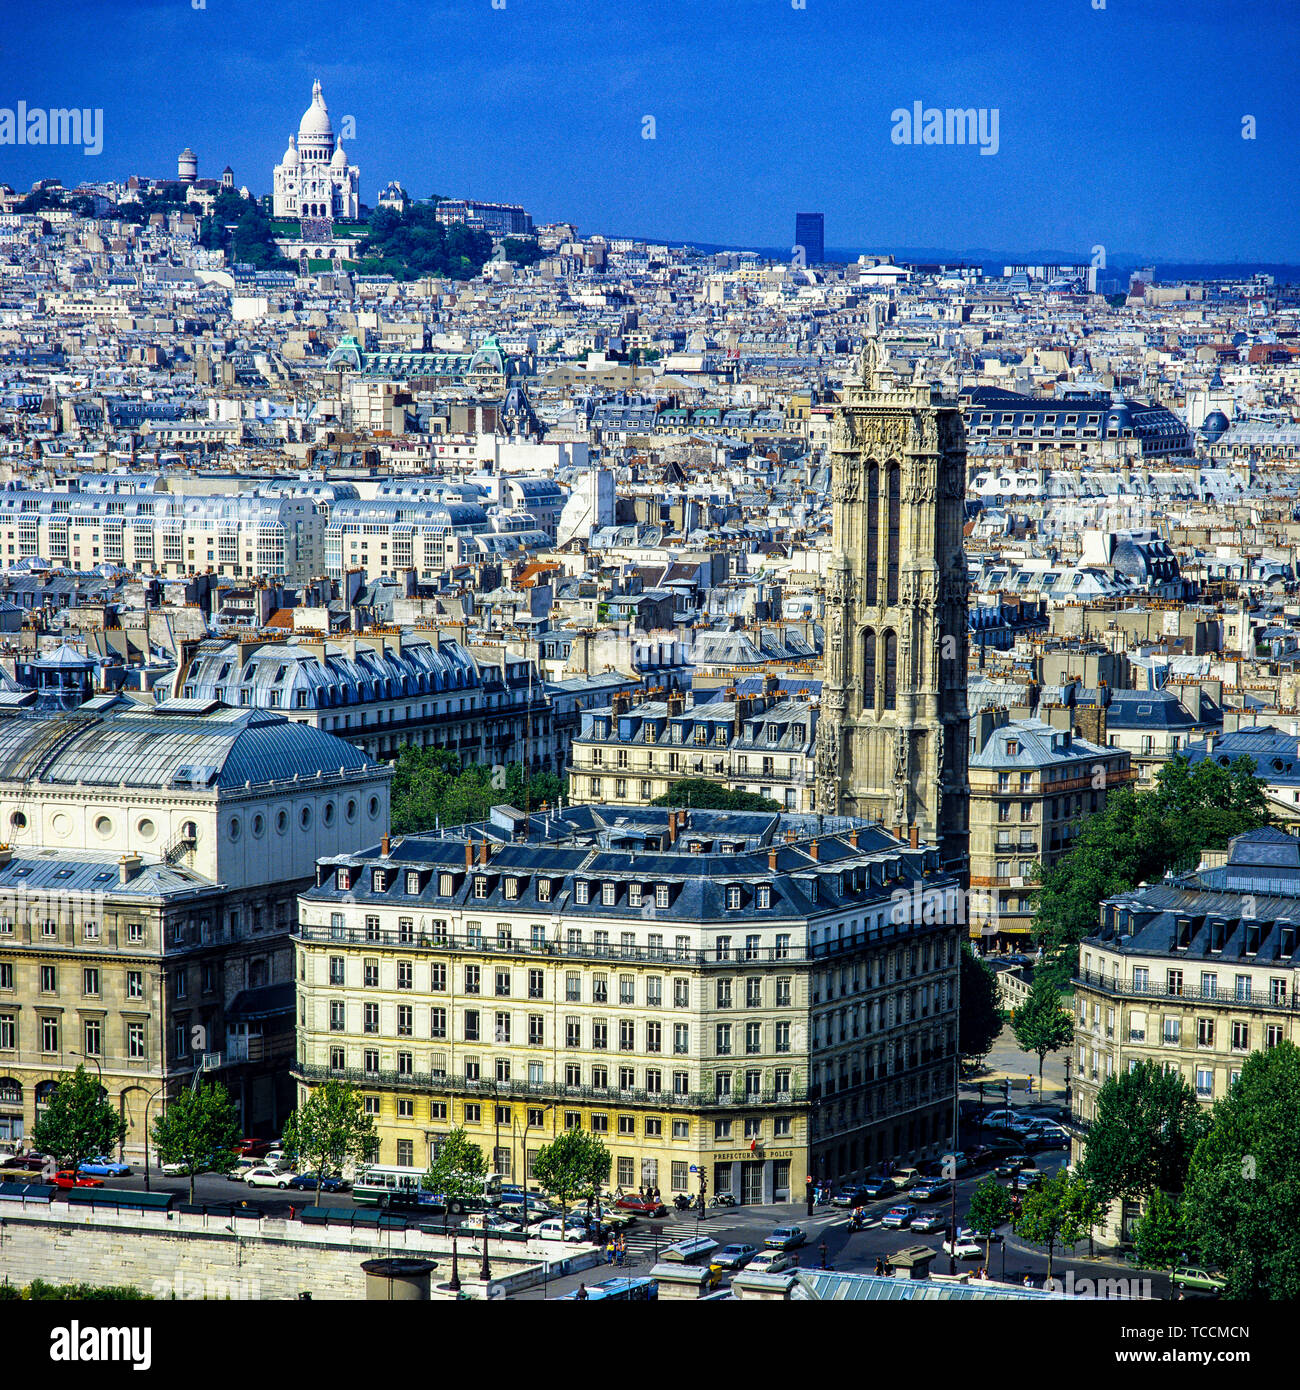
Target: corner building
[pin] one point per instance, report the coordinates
(728, 992)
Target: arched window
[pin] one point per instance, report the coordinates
(869, 668)
(892, 522)
(891, 669)
(873, 531)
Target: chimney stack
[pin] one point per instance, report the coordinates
(672, 827)
(771, 860)
(384, 846)
(469, 854)
(484, 851)
(914, 836)
(127, 867)
(853, 837)
(814, 850)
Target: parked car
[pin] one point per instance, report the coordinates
(175, 1170)
(254, 1148)
(963, 1248)
(932, 1190)
(1048, 1136)
(1199, 1278)
(1009, 1167)
(242, 1168)
(930, 1221)
(306, 1182)
(66, 1178)
(852, 1196)
(1027, 1178)
(900, 1217)
(786, 1238)
(262, 1176)
(904, 1178)
(879, 1186)
(643, 1206)
(770, 1262)
(104, 1168)
(489, 1221)
(734, 1256)
(555, 1229)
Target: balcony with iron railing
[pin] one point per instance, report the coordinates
(556, 951)
(441, 1083)
(1187, 997)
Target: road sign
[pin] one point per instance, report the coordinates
(693, 1168)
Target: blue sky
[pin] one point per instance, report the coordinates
(1119, 126)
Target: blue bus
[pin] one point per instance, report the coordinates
(622, 1290)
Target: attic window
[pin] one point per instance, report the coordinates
(1013, 747)
(1144, 709)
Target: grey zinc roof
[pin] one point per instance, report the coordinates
(164, 747)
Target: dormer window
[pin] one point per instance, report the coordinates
(764, 896)
(512, 888)
(580, 892)
(379, 880)
(733, 898)
(634, 895)
(345, 880)
(412, 883)
(480, 886)
(446, 885)
(608, 894)
(543, 890)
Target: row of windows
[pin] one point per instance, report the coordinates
(93, 1035)
(503, 983)
(91, 983)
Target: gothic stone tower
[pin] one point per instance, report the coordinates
(892, 738)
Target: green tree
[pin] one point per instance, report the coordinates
(430, 787)
(572, 1165)
(990, 1207)
(1053, 1212)
(980, 1020)
(1041, 1025)
(1146, 1126)
(329, 1130)
(457, 1170)
(78, 1122)
(1160, 1242)
(1241, 1202)
(1137, 836)
(705, 795)
(521, 252)
(199, 1130)
(413, 243)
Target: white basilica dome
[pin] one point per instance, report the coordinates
(316, 119)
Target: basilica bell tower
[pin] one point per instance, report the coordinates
(892, 740)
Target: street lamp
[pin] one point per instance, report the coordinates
(454, 1283)
(147, 1104)
(485, 1269)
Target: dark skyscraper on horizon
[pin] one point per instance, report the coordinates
(810, 233)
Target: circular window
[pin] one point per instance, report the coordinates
(374, 807)
(304, 817)
(329, 813)
(258, 825)
(190, 830)
(281, 822)
(146, 829)
(18, 820)
(234, 827)
(62, 825)
(350, 811)
(104, 826)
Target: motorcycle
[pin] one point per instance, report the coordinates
(682, 1202)
(722, 1199)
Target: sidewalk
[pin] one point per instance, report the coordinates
(1006, 1059)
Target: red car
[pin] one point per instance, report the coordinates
(65, 1177)
(253, 1148)
(643, 1206)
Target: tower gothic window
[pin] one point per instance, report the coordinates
(869, 669)
(891, 669)
(873, 537)
(892, 520)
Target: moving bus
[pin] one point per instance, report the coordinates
(627, 1290)
(388, 1185)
